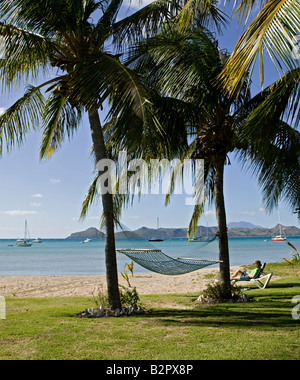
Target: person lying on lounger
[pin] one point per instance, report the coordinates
(242, 275)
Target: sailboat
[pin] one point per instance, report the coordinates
(279, 237)
(201, 238)
(156, 239)
(25, 242)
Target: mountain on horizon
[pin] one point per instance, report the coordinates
(90, 233)
(165, 233)
(242, 224)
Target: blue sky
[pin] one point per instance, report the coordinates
(49, 194)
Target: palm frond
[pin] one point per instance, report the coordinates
(177, 63)
(26, 53)
(292, 246)
(197, 213)
(90, 198)
(104, 78)
(204, 12)
(243, 8)
(275, 161)
(110, 14)
(128, 98)
(274, 158)
(144, 23)
(20, 118)
(274, 31)
(47, 17)
(280, 101)
(60, 119)
(120, 201)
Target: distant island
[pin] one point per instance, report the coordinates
(236, 229)
(90, 233)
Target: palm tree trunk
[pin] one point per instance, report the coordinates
(107, 203)
(222, 232)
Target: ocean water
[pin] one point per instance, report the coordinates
(55, 257)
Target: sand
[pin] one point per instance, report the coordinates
(71, 286)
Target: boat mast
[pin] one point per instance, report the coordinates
(279, 224)
(26, 235)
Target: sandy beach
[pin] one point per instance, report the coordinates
(66, 286)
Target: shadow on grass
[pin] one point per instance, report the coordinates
(213, 316)
(284, 285)
(269, 308)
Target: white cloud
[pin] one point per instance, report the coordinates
(54, 180)
(18, 212)
(252, 212)
(93, 217)
(37, 196)
(210, 213)
(2, 110)
(35, 204)
(248, 213)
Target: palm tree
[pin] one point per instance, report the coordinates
(41, 36)
(199, 120)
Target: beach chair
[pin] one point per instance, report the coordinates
(261, 280)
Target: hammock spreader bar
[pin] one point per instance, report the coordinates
(156, 261)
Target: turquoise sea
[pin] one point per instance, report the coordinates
(55, 257)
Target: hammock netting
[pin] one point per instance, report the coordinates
(138, 249)
(156, 261)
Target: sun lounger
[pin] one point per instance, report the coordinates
(261, 280)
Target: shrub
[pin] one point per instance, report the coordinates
(129, 297)
(214, 292)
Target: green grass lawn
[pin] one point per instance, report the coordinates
(176, 328)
